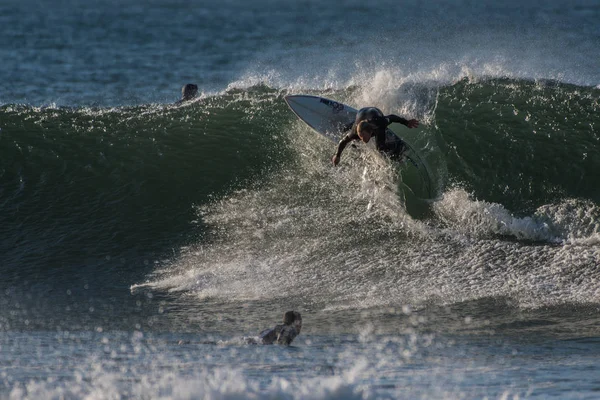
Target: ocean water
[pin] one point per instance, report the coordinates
(141, 241)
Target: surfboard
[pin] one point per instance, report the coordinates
(329, 118)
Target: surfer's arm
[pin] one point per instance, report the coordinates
(340, 147)
(287, 335)
(413, 123)
(268, 336)
(347, 127)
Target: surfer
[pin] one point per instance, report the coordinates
(370, 122)
(283, 333)
(188, 92)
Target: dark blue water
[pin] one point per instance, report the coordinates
(141, 240)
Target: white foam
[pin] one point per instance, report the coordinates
(482, 218)
(218, 383)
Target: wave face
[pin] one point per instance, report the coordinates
(516, 219)
(232, 196)
(81, 188)
(521, 143)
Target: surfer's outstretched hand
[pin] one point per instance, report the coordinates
(335, 160)
(413, 123)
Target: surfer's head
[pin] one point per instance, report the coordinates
(372, 114)
(292, 317)
(189, 91)
(365, 130)
(289, 317)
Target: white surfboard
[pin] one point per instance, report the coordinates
(329, 118)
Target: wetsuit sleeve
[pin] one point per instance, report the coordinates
(344, 142)
(268, 336)
(394, 118)
(287, 335)
(347, 127)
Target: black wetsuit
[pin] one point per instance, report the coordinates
(280, 334)
(389, 144)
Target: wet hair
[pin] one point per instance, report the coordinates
(372, 114)
(189, 91)
(366, 126)
(290, 317)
